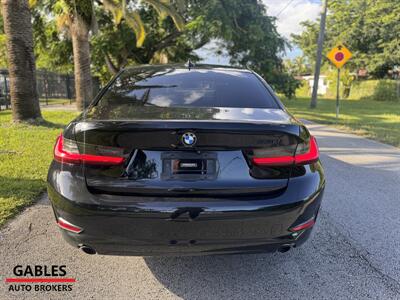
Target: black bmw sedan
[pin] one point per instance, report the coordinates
(178, 160)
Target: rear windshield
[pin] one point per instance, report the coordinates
(188, 88)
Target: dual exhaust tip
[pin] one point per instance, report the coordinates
(87, 249)
(286, 247)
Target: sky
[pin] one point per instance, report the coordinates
(289, 13)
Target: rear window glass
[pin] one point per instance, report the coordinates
(188, 88)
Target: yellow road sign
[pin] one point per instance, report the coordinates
(339, 55)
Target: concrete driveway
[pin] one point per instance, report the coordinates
(354, 251)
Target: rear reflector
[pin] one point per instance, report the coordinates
(66, 151)
(305, 154)
(68, 226)
(306, 225)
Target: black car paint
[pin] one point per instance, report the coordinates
(235, 212)
(157, 134)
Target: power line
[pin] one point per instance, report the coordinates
(286, 6)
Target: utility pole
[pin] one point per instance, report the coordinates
(321, 36)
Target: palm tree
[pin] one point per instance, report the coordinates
(300, 65)
(78, 17)
(21, 60)
(120, 10)
(123, 13)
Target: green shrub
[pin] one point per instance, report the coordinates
(363, 89)
(386, 90)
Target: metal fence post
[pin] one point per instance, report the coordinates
(5, 90)
(68, 88)
(5, 100)
(46, 87)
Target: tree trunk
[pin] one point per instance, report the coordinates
(21, 60)
(81, 48)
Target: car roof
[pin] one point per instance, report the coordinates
(193, 66)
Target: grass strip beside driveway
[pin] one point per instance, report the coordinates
(25, 154)
(372, 119)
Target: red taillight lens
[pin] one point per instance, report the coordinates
(306, 153)
(68, 226)
(66, 151)
(308, 156)
(274, 161)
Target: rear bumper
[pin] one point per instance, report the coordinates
(133, 247)
(123, 225)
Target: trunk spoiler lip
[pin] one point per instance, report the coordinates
(244, 121)
(219, 125)
(193, 114)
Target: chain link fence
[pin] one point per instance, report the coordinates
(53, 88)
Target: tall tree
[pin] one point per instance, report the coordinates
(21, 60)
(78, 17)
(165, 40)
(52, 50)
(124, 14)
(369, 28)
(249, 36)
(297, 66)
(307, 40)
(242, 28)
(318, 60)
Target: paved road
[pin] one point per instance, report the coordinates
(354, 252)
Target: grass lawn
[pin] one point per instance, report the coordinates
(52, 101)
(25, 155)
(376, 120)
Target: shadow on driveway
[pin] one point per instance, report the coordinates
(327, 266)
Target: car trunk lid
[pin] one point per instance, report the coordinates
(158, 162)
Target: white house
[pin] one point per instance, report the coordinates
(322, 83)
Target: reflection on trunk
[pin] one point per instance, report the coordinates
(141, 168)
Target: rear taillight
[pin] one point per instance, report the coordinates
(306, 153)
(66, 151)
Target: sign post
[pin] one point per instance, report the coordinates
(337, 93)
(339, 55)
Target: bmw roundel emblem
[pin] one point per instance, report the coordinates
(189, 139)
